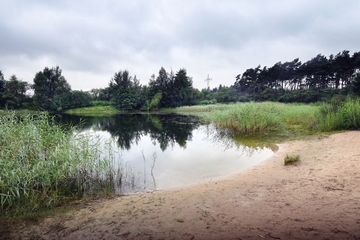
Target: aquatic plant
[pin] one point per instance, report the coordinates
(339, 115)
(42, 164)
(265, 117)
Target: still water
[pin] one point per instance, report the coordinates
(163, 151)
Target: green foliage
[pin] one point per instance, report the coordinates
(339, 115)
(205, 102)
(248, 118)
(93, 111)
(244, 99)
(270, 94)
(318, 79)
(43, 165)
(270, 117)
(126, 92)
(51, 90)
(315, 80)
(12, 92)
(291, 159)
(2, 90)
(100, 94)
(155, 101)
(176, 89)
(226, 94)
(97, 103)
(78, 99)
(254, 118)
(355, 86)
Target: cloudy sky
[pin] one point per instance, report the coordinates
(92, 39)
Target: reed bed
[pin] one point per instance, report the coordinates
(43, 165)
(273, 117)
(337, 115)
(257, 118)
(200, 108)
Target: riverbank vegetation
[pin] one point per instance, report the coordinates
(339, 115)
(259, 118)
(43, 164)
(94, 111)
(264, 118)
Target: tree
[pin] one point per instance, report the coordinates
(160, 84)
(248, 82)
(182, 89)
(126, 92)
(317, 79)
(176, 89)
(345, 68)
(355, 85)
(51, 89)
(14, 95)
(226, 94)
(77, 99)
(2, 90)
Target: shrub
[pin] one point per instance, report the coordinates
(290, 159)
(98, 103)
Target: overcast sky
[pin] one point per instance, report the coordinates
(90, 40)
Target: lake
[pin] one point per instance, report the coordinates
(163, 151)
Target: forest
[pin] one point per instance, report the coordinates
(319, 79)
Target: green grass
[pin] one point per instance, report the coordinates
(94, 111)
(43, 165)
(264, 118)
(198, 108)
(258, 118)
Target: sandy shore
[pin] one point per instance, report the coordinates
(318, 198)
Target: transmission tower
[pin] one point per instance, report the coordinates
(208, 81)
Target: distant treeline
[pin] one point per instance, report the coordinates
(318, 79)
(302, 82)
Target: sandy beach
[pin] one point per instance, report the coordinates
(317, 198)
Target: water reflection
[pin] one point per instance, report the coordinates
(128, 129)
(169, 150)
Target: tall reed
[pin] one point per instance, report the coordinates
(339, 115)
(42, 165)
(264, 117)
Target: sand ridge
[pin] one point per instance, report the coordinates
(318, 198)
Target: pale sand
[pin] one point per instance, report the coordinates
(318, 198)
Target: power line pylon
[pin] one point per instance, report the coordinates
(208, 81)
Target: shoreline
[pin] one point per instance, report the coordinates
(316, 198)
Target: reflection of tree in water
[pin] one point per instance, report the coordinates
(174, 129)
(227, 139)
(166, 129)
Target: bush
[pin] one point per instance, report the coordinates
(244, 99)
(99, 103)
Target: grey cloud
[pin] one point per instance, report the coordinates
(96, 37)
